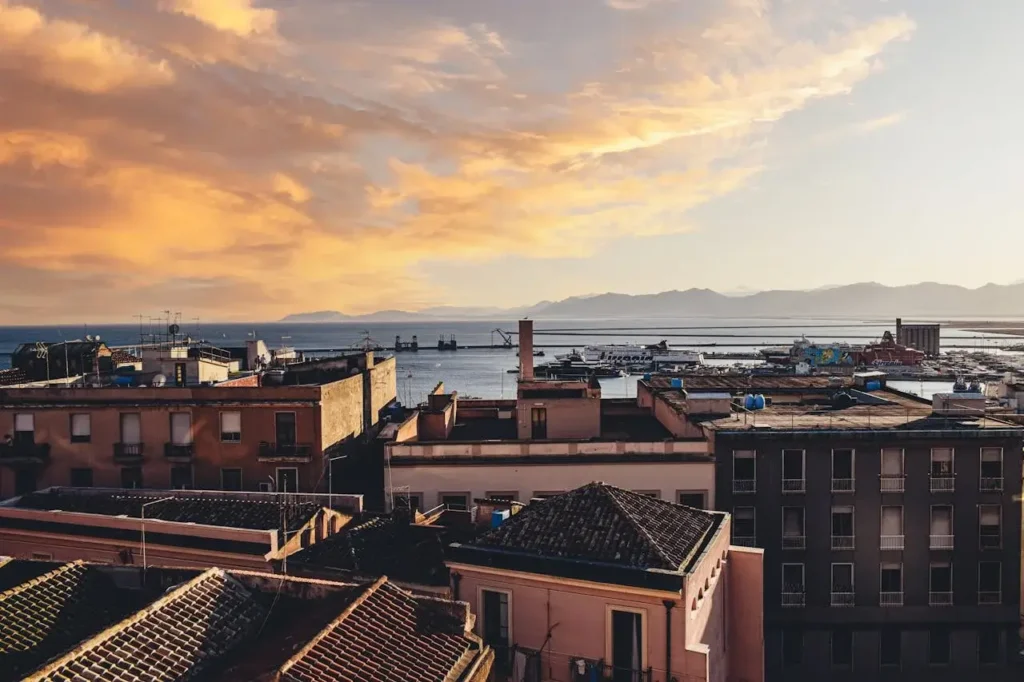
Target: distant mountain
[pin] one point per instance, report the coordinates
(863, 300)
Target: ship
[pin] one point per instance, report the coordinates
(883, 353)
(889, 353)
(635, 355)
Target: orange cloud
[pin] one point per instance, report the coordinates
(234, 16)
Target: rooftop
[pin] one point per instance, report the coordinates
(746, 383)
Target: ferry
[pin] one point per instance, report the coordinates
(634, 355)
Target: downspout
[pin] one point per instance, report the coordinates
(455, 585)
(669, 604)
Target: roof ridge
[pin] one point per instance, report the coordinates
(49, 575)
(331, 627)
(115, 628)
(604, 488)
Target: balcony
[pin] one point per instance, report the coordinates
(842, 542)
(990, 484)
(842, 485)
(128, 453)
(24, 453)
(794, 541)
(744, 485)
(179, 452)
(891, 484)
(744, 540)
(285, 452)
(990, 598)
(844, 598)
(794, 485)
(940, 542)
(890, 598)
(940, 599)
(942, 484)
(792, 599)
(584, 670)
(891, 542)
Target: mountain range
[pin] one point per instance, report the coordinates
(867, 299)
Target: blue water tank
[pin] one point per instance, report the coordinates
(122, 380)
(677, 383)
(499, 516)
(758, 402)
(748, 402)
(647, 377)
(873, 385)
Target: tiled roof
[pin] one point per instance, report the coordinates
(50, 613)
(244, 511)
(119, 356)
(388, 635)
(175, 638)
(602, 523)
(14, 572)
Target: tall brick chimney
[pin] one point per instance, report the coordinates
(525, 350)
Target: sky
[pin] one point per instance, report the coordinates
(246, 159)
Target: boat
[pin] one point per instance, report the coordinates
(633, 355)
(889, 353)
(567, 369)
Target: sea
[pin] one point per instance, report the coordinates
(479, 370)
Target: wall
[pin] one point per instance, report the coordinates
(567, 418)
(341, 411)
(745, 585)
(383, 386)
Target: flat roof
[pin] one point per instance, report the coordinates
(748, 382)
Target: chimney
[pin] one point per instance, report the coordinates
(526, 350)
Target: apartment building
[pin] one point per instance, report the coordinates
(602, 583)
(277, 431)
(890, 526)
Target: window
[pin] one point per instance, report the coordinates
(792, 584)
(692, 499)
(842, 648)
(287, 480)
(842, 470)
(942, 470)
(890, 647)
(891, 585)
(131, 477)
(230, 479)
(414, 501)
(938, 646)
(892, 528)
(892, 476)
(792, 647)
(744, 471)
(792, 471)
(990, 582)
(940, 583)
(842, 528)
(744, 526)
(181, 428)
(793, 536)
(131, 428)
(990, 526)
(504, 496)
(24, 429)
(180, 374)
(284, 429)
(988, 646)
(627, 642)
(81, 478)
(991, 469)
(81, 428)
(539, 423)
(494, 607)
(941, 533)
(24, 481)
(181, 477)
(454, 500)
(842, 585)
(230, 427)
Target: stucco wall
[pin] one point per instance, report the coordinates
(745, 584)
(341, 410)
(569, 418)
(383, 386)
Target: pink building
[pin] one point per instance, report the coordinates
(602, 583)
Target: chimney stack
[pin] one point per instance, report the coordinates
(526, 350)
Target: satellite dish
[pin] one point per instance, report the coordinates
(88, 337)
(173, 329)
(159, 380)
(96, 337)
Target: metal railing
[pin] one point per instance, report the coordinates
(843, 598)
(24, 452)
(942, 484)
(128, 451)
(842, 485)
(891, 484)
(991, 483)
(891, 542)
(744, 485)
(989, 598)
(792, 599)
(179, 450)
(586, 670)
(285, 450)
(794, 485)
(744, 540)
(940, 599)
(890, 598)
(940, 542)
(842, 542)
(794, 541)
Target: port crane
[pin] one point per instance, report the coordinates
(506, 338)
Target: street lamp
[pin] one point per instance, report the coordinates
(143, 523)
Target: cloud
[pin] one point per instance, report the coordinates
(871, 125)
(246, 162)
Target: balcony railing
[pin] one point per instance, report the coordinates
(989, 598)
(744, 485)
(792, 599)
(992, 540)
(24, 453)
(842, 485)
(942, 484)
(585, 670)
(842, 542)
(990, 484)
(843, 598)
(744, 540)
(940, 542)
(940, 599)
(891, 484)
(794, 541)
(890, 598)
(794, 485)
(286, 451)
(128, 452)
(891, 542)
(179, 451)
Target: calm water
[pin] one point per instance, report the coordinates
(483, 372)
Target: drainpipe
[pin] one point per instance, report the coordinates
(455, 585)
(669, 604)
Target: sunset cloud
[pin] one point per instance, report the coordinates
(162, 153)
